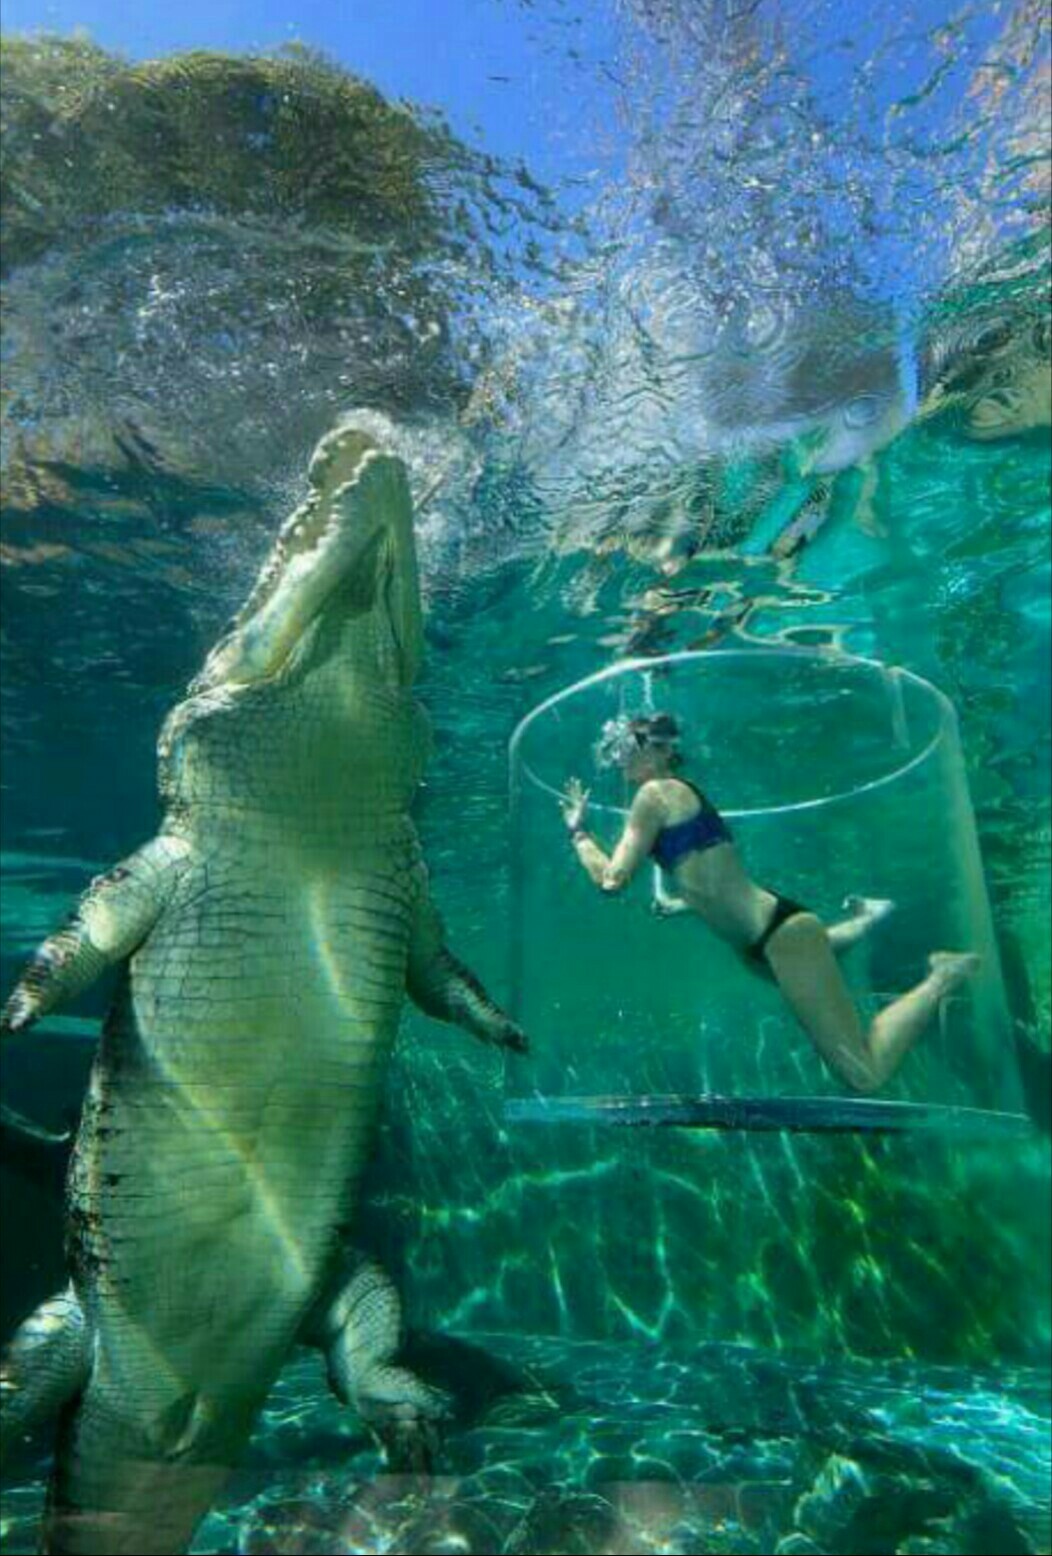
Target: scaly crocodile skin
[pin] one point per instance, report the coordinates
(267, 935)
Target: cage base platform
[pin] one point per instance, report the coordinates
(795, 1115)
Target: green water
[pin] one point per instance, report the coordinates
(689, 1341)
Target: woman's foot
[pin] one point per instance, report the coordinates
(872, 909)
(952, 968)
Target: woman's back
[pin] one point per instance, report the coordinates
(705, 865)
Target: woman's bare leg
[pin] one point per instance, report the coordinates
(865, 913)
(893, 1033)
(805, 968)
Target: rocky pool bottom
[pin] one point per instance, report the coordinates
(573, 1447)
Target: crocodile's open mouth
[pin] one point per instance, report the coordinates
(358, 511)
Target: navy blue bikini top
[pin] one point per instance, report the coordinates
(703, 830)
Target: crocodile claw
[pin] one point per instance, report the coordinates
(514, 1038)
(410, 1436)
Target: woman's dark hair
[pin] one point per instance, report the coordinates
(660, 729)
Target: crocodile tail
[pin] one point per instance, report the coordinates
(32, 1152)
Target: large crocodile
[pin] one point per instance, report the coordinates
(267, 936)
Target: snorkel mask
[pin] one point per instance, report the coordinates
(622, 737)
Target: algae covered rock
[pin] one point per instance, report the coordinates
(212, 255)
(289, 136)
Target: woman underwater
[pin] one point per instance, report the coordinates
(672, 822)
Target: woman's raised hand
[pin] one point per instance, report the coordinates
(574, 804)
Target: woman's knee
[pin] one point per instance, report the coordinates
(859, 1069)
(865, 1082)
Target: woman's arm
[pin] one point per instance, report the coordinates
(665, 904)
(613, 873)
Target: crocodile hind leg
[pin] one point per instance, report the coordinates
(358, 1327)
(44, 1367)
(145, 1448)
(130, 1477)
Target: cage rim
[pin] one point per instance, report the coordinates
(946, 717)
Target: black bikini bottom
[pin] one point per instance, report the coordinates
(784, 908)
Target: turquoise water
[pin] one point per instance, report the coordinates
(716, 1449)
(722, 369)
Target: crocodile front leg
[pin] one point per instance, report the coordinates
(114, 917)
(443, 988)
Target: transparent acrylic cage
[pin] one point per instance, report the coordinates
(838, 776)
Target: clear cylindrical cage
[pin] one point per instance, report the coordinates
(838, 776)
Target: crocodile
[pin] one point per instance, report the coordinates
(265, 940)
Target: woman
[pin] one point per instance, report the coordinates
(672, 822)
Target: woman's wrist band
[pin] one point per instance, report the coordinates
(577, 833)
